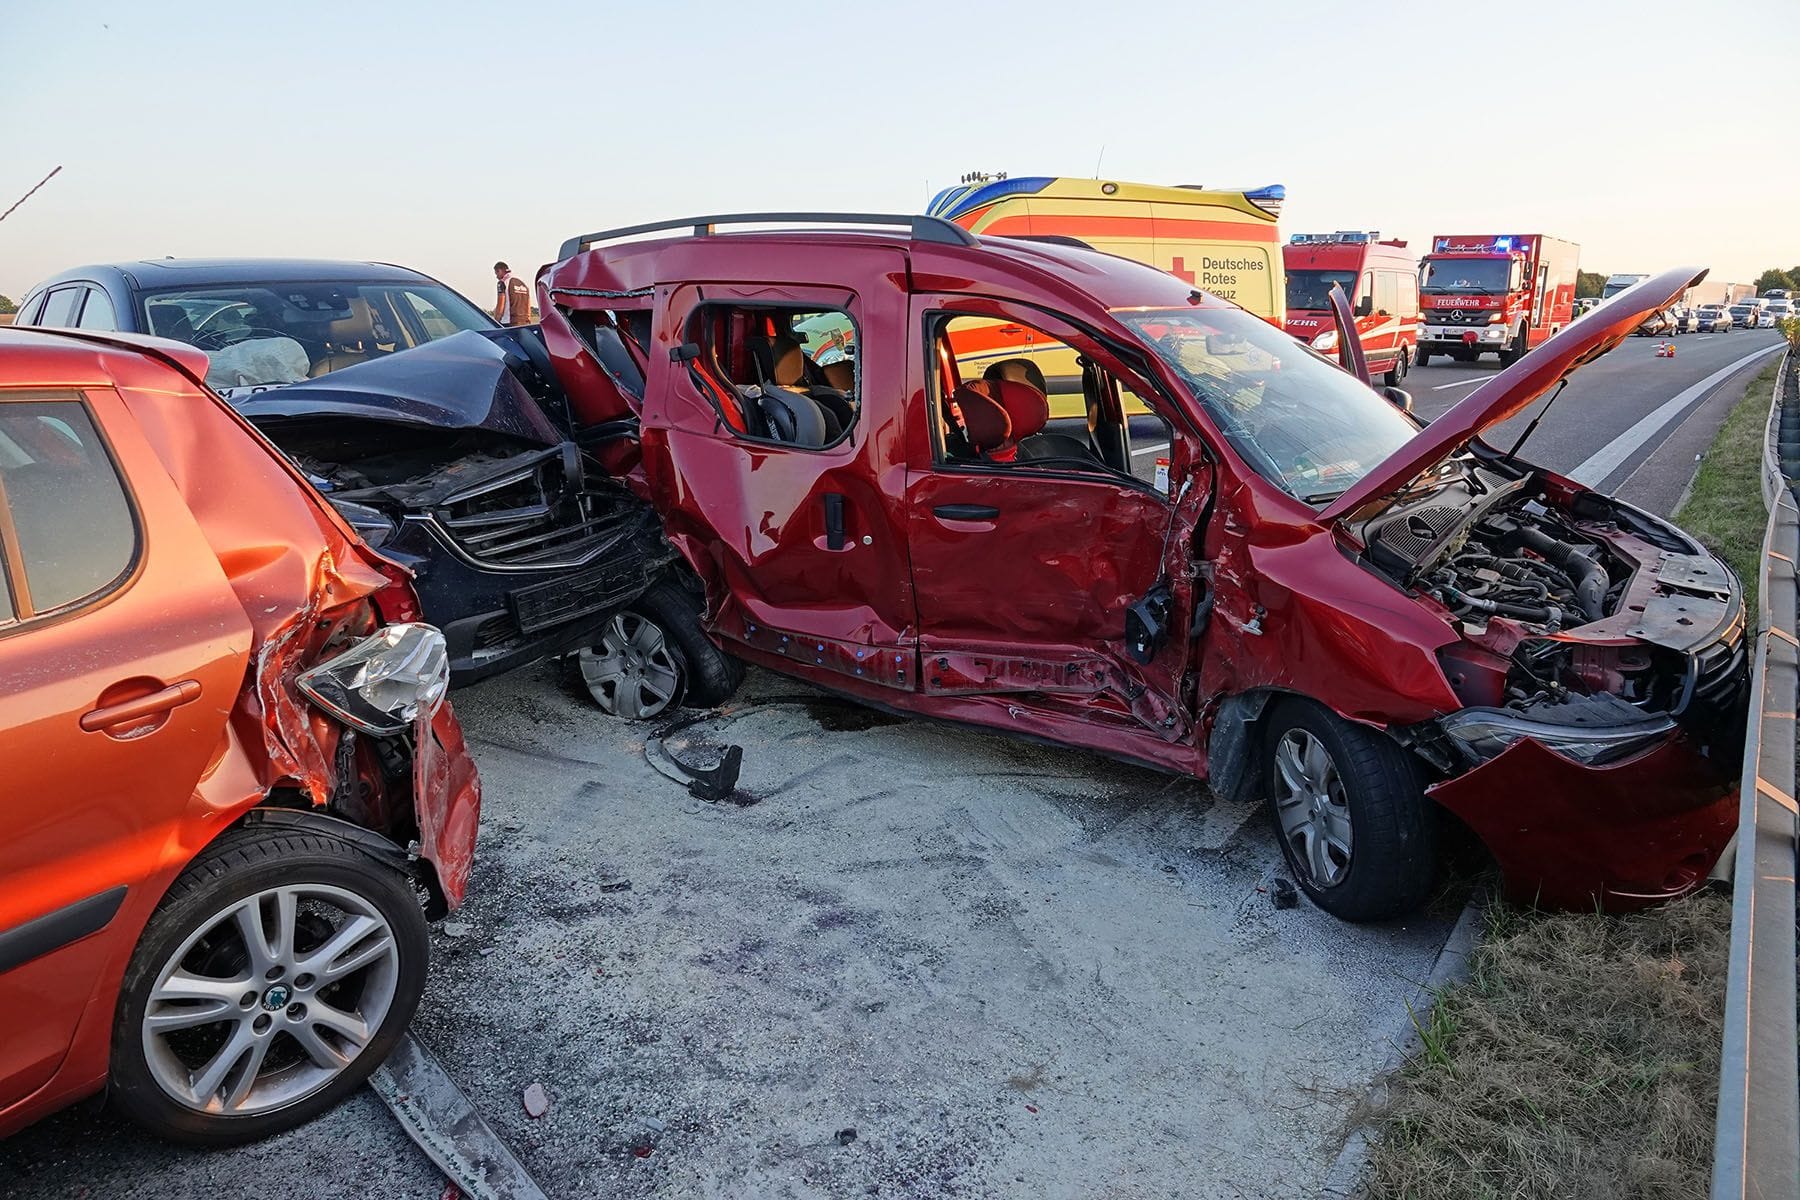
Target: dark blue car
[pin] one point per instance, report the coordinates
(443, 438)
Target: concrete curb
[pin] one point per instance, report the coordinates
(1344, 1181)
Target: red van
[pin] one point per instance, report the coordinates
(1380, 278)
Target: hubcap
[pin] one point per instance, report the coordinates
(270, 999)
(1314, 813)
(631, 672)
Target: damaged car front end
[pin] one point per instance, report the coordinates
(1600, 653)
(449, 461)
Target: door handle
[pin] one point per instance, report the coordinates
(114, 715)
(966, 512)
(834, 520)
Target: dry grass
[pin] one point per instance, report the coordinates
(1724, 509)
(1580, 1059)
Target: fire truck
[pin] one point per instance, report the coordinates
(1380, 280)
(1503, 293)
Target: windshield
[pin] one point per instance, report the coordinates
(1301, 422)
(257, 335)
(1312, 289)
(1465, 275)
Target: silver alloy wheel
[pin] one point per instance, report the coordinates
(1314, 812)
(270, 998)
(632, 671)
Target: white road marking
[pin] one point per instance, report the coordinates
(1705, 337)
(1438, 387)
(1150, 449)
(1612, 456)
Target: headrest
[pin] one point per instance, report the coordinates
(359, 326)
(1026, 407)
(1020, 370)
(984, 421)
(789, 361)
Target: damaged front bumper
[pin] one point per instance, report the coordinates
(1621, 835)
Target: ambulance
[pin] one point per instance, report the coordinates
(1221, 240)
(1380, 280)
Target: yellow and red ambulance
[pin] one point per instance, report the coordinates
(1220, 240)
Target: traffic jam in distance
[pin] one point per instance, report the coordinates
(260, 518)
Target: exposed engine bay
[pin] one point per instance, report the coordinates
(1573, 608)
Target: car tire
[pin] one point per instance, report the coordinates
(1397, 372)
(1356, 786)
(653, 655)
(193, 951)
(1516, 351)
(1424, 358)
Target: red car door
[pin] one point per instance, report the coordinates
(1024, 571)
(122, 650)
(799, 536)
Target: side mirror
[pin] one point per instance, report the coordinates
(1365, 306)
(1400, 398)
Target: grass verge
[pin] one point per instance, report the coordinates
(1724, 508)
(1581, 1057)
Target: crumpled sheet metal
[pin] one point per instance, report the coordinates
(298, 573)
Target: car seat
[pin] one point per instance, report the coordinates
(1022, 373)
(352, 339)
(781, 362)
(985, 422)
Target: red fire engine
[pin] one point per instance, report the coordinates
(1379, 278)
(1500, 292)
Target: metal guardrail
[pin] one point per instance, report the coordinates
(1756, 1150)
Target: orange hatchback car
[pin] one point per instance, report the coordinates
(231, 790)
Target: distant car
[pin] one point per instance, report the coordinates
(1657, 324)
(1766, 318)
(1682, 320)
(1744, 314)
(1780, 308)
(1712, 318)
(234, 790)
(454, 469)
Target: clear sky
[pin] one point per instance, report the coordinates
(444, 136)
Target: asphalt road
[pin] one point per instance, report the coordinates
(1622, 425)
(1011, 969)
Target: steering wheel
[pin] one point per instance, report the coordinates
(219, 339)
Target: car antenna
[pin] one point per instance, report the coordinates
(1529, 429)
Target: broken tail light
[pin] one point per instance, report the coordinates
(385, 682)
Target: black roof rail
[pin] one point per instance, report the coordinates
(923, 228)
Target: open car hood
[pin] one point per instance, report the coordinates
(1512, 390)
(464, 381)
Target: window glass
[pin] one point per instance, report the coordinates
(1310, 291)
(97, 312)
(59, 309)
(1300, 422)
(784, 375)
(261, 334)
(28, 315)
(1387, 292)
(1010, 395)
(436, 324)
(65, 503)
(1409, 295)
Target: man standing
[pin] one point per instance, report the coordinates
(512, 297)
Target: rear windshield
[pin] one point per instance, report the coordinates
(258, 335)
